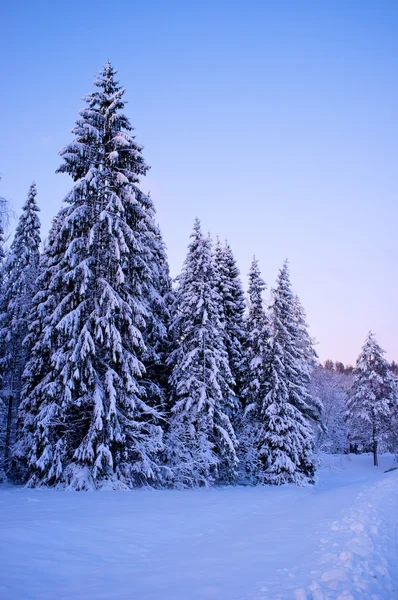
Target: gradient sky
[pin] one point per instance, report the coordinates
(274, 122)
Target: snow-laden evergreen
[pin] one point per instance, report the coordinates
(306, 343)
(19, 287)
(331, 388)
(3, 218)
(233, 306)
(255, 378)
(288, 443)
(372, 399)
(3, 401)
(39, 343)
(308, 359)
(94, 425)
(257, 332)
(158, 299)
(201, 445)
(122, 381)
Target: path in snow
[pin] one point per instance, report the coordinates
(332, 540)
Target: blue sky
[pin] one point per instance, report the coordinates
(274, 122)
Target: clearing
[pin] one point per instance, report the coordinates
(333, 540)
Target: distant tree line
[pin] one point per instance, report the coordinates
(337, 366)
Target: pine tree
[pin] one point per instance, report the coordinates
(329, 365)
(257, 339)
(3, 220)
(20, 284)
(233, 306)
(3, 402)
(94, 425)
(201, 443)
(159, 299)
(308, 360)
(288, 442)
(39, 345)
(256, 376)
(372, 398)
(331, 388)
(306, 342)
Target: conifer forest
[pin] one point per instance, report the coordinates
(114, 376)
(198, 338)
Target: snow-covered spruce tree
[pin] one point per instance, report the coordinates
(256, 378)
(94, 426)
(331, 388)
(158, 299)
(371, 399)
(20, 284)
(3, 223)
(288, 442)
(3, 402)
(201, 444)
(38, 372)
(308, 360)
(233, 306)
(306, 343)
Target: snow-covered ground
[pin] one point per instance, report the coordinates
(333, 540)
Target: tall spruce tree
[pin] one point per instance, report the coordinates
(3, 401)
(39, 344)
(3, 223)
(159, 299)
(95, 425)
(288, 442)
(306, 343)
(233, 306)
(308, 360)
(201, 445)
(372, 399)
(20, 284)
(257, 340)
(256, 377)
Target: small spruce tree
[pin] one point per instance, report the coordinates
(372, 398)
(19, 287)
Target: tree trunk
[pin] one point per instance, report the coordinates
(375, 459)
(353, 448)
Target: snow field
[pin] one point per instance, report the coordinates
(334, 540)
(359, 558)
